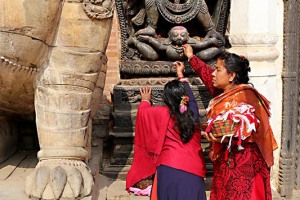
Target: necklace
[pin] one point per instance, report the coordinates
(178, 49)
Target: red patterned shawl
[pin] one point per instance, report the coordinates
(263, 137)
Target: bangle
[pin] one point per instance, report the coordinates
(180, 77)
(190, 58)
(183, 79)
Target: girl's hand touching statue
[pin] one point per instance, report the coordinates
(146, 93)
(179, 67)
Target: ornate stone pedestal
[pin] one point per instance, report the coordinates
(126, 99)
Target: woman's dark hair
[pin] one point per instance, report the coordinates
(237, 64)
(184, 122)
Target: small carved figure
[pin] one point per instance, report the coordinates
(151, 47)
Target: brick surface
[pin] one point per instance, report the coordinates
(113, 54)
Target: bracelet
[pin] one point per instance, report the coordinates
(179, 76)
(183, 79)
(190, 58)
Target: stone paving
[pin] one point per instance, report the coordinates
(14, 171)
(115, 190)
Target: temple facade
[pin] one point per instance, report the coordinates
(266, 32)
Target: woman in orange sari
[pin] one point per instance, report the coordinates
(238, 173)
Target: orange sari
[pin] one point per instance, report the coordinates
(263, 137)
(244, 174)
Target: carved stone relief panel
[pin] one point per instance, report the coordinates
(146, 27)
(152, 35)
(289, 153)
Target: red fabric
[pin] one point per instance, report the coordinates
(154, 189)
(150, 129)
(156, 142)
(245, 176)
(263, 136)
(186, 157)
(204, 71)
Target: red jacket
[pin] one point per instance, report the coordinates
(156, 142)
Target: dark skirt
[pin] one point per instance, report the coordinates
(174, 184)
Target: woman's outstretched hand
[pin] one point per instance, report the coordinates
(188, 51)
(146, 93)
(179, 67)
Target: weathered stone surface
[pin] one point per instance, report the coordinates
(53, 67)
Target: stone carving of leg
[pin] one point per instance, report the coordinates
(152, 19)
(26, 29)
(64, 94)
(204, 17)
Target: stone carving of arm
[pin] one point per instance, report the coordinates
(156, 43)
(204, 43)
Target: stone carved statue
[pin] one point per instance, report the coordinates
(155, 48)
(53, 67)
(155, 16)
(176, 12)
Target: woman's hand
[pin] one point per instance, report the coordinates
(188, 51)
(179, 67)
(146, 93)
(211, 138)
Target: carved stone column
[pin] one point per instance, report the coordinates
(290, 158)
(256, 32)
(67, 93)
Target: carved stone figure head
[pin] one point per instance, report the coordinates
(178, 35)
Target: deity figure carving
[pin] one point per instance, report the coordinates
(155, 18)
(177, 12)
(155, 48)
(53, 69)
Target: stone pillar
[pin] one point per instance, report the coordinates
(256, 32)
(67, 95)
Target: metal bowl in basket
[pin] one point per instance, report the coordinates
(221, 128)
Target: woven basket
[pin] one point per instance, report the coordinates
(221, 128)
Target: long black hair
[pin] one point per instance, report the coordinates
(184, 122)
(237, 64)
